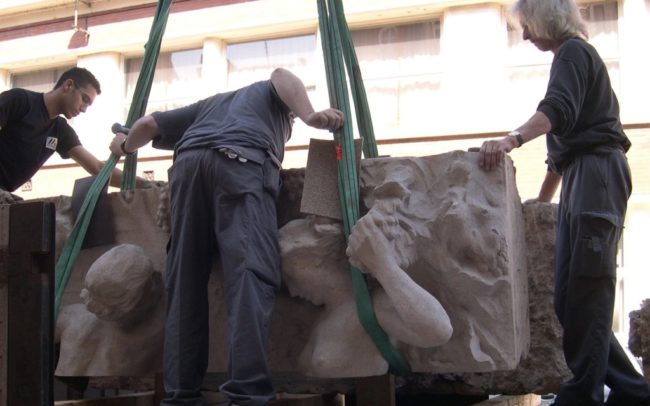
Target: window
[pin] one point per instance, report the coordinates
(529, 67)
(176, 81)
(523, 52)
(249, 62)
(38, 81)
(400, 69)
(602, 24)
(527, 86)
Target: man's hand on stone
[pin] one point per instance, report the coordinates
(328, 119)
(9, 198)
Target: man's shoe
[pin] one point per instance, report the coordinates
(614, 400)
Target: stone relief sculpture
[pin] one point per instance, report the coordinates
(458, 233)
(440, 257)
(440, 241)
(119, 325)
(315, 267)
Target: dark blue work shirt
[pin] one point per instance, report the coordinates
(252, 121)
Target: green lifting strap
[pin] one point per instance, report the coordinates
(337, 44)
(143, 86)
(72, 246)
(362, 109)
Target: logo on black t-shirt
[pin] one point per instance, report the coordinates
(51, 143)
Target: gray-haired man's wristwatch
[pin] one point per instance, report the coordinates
(517, 135)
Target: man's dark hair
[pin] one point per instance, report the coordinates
(81, 76)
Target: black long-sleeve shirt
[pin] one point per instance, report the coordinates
(580, 104)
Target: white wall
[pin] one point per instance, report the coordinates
(94, 127)
(4, 80)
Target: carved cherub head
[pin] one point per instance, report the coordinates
(314, 265)
(122, 284)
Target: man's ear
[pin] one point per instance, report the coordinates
(68, 85)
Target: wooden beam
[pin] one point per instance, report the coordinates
(4, 311)
(309, 400)
(159, 388)
(136, 399)
(29, 267)
(375, 391)
(521, 400)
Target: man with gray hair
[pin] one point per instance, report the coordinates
(586, 152)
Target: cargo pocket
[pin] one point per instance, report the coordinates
(599, 235)
(271, 178)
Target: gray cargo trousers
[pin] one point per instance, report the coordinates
(593, 202)
(226, 208)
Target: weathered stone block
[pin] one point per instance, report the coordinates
(544, 368)
(457, 236)
(639, 340)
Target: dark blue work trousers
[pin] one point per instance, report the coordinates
(220, 206)
(593, 201)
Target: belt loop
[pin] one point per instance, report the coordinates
(274, 158)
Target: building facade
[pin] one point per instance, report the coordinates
(440, 75)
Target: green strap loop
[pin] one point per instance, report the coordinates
(143, 85)
(71, 249)
(337, 44)
(362, 109)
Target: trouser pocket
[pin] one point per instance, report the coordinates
(598, 244)
(271, 178)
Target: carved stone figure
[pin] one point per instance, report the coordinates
(118, 329)
(315, 267)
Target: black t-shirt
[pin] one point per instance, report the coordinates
(248, 120)
(28, 136)
(580, 104)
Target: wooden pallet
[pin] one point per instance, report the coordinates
(136, 399)
(147, 399)
(522, 400)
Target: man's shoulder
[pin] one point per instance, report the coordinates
(21, 104)
(576, 47)
(18, 95)
(64, 128)
(259, 86)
